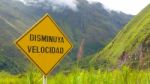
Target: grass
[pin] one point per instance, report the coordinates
(79, 76)
(130, 38)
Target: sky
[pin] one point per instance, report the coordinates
(127, 6)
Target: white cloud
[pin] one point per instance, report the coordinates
(127, 6)
(70, 3)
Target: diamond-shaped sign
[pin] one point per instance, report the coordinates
(44, 44)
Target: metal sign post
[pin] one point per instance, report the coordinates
(44, 79)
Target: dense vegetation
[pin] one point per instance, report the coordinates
(130, 46)
(124, 75)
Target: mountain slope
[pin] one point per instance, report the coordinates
(90, 22)
(131, 45)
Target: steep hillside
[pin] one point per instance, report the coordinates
(130, 46)
(91, 22)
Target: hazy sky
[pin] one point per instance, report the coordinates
(127, 6)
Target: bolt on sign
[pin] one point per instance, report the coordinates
(44, 44)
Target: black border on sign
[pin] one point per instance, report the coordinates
(28, 31)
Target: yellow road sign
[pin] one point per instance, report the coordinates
(44, 44)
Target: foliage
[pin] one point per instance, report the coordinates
(125, 75)
(129, 44)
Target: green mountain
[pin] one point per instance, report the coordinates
(131, 46)
(91, 22)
